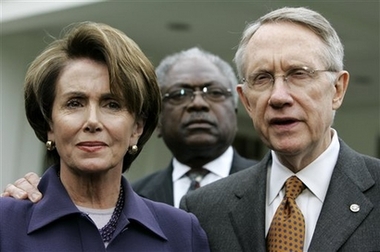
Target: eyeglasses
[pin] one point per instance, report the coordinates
(186, 95)
(299, 77)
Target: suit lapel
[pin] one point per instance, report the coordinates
(160, 188)
(337, 222)
(164, 188)
(248, 213)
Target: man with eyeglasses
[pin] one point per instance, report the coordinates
(198, 124)
(311, 192)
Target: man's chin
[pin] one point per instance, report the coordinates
(200, 141)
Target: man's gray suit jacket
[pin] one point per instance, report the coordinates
(158, 186)
(232, 210)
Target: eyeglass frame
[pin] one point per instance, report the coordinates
(311, 72)
(168, 96)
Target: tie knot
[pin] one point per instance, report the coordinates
(197, 174)
(293, 187)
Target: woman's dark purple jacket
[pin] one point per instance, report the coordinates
(56, 224)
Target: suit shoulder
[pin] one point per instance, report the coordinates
(146, 180)
(373, 166)
(351, 158)
(9, 203)
(14, 209)
(372, 162)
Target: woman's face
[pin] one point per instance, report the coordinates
(92, 129)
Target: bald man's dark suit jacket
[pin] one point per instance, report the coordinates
(232, 210)
(159, 185)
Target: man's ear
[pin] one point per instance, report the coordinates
(340, 85)
(243, 98)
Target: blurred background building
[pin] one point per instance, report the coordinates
(163, 27)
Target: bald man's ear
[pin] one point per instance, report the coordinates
(341, 85)
(243, 99)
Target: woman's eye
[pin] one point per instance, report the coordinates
(113, 105)
(73, 104)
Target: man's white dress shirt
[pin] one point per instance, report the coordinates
(218, 168)
(316, 177)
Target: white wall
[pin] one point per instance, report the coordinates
(20, 149)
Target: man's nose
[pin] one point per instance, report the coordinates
(280, 93)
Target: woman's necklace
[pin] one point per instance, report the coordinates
(107, 231)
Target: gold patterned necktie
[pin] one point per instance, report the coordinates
(287, 230)
(196, 176)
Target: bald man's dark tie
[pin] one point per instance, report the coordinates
(287, 230)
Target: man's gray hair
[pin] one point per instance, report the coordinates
(195, 52)
(333, 52)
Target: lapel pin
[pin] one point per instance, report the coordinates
(354, 208)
